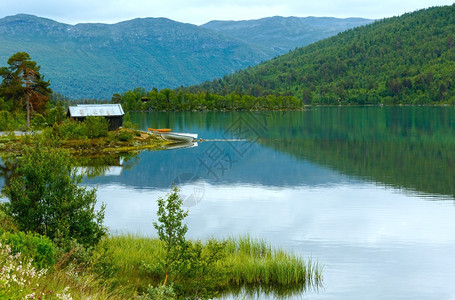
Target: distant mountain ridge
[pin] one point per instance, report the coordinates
(96, 60)
(282, 34)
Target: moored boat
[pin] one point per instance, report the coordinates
(159, 130)
(178, 136)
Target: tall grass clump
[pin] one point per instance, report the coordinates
(136, 261)
(245, 262)
(255, 262)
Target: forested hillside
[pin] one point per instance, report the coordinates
(406, 59)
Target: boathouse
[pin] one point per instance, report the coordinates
(112, 112)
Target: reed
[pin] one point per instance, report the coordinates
(255, 262)
(249, 262)
(128, 254)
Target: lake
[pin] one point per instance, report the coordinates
(368, 192)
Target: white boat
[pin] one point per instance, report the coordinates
(178, 136)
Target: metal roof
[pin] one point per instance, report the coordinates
(104, 110)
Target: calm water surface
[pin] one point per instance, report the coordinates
(368, 192)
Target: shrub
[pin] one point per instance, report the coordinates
(171, 229)
(91, 127)
(56, 114)
(71, 252)
(127, 121)
(102, 263)
(96, 127)
(4, 124)
(161, 292)
(125, 136)
(12, 121)
(46, 197)
(69, 129)
(6, 222)
(32, 246)
(38, 121)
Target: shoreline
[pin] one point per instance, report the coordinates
(139, 140)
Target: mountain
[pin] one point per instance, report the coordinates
(405, 59)
(282, 34)
(97, 60)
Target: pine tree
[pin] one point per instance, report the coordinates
(23, 85)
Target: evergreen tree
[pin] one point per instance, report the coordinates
(23, 85)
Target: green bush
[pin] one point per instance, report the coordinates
(127, 121)
(91, 127)
(12, 121)
(32, 246)
(96, 127)
(102, 263)
(160, 292)
(56, 114)
(70, 130)
(38, 121)
(4, 124)
(6, 222)
(71, 252)
(125, 136)
(46, 197)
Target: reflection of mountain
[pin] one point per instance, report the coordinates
(259, 166)
(406, 147)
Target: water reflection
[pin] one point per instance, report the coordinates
(291, 214)
(180, 145)
(113, 168)
(259, 166)
(404, 147)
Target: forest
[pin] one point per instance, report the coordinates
(408, 59)
(178, 100)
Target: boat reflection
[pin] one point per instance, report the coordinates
(180, 145)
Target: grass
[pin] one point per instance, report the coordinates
(249, 263)
(258, 267)
(116, 271)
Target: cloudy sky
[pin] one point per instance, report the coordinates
(201, 11)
